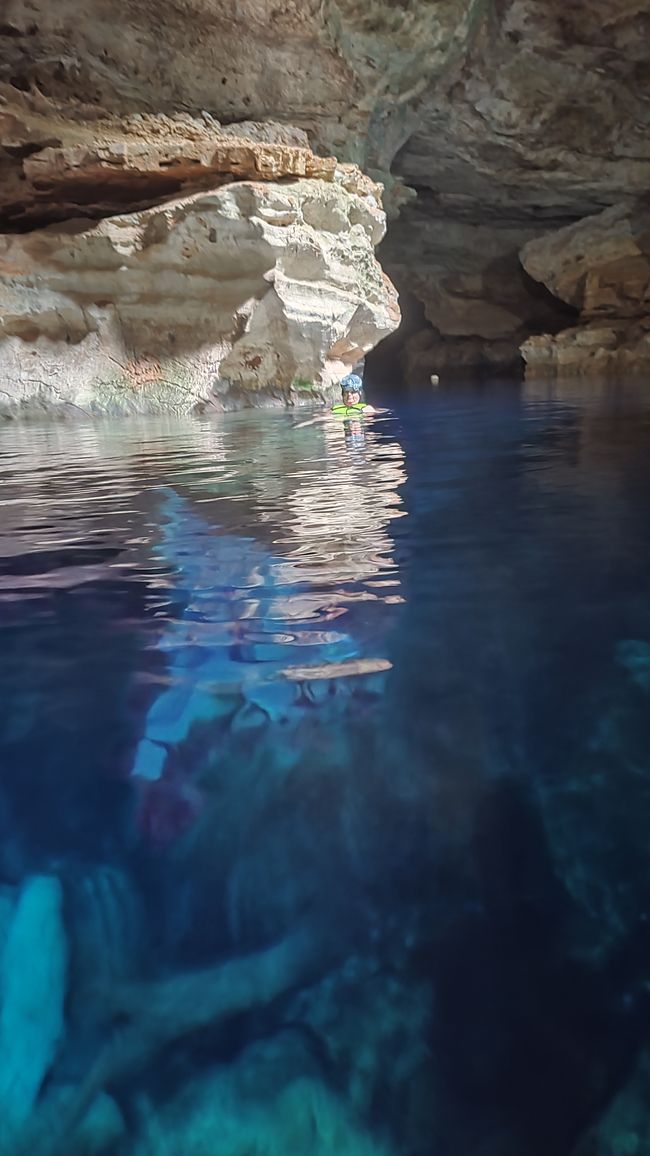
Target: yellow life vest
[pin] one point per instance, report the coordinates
(349, 410)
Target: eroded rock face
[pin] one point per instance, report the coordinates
(544, 120)
(478, 301)
(346, 72)
(490, 122)
(60, 161)
(601, 266)
(258, 290)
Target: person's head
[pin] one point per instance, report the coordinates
(351, 389)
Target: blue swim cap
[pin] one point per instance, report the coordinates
(352, 381)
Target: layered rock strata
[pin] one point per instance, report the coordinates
(601, 267)
(254, 280)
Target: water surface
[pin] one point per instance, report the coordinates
(375, 692)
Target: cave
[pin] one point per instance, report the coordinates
(508, 141)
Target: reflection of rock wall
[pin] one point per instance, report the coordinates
(601, 266)
(339, 519)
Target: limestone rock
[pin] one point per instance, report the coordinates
(346, 72)
(509, 115)
(594, 349)
(56, 168)
(601, 266)
(260, 290)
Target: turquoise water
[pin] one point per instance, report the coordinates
(325, 780)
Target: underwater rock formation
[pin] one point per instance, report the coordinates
(45, 1115)
(601, 267)
(272, 1100)
(34, 966)
(624, 1126)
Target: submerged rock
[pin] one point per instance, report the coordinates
(269, 1102)
(34, 968)
(375, 1026)
(7, 908)
(624, 1126)
(99, 1129)
(106, 926)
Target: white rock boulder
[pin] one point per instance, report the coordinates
(252, 293)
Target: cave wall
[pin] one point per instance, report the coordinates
(491, 124)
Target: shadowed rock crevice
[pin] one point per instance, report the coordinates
(601, 267)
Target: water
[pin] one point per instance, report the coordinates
(325, 780)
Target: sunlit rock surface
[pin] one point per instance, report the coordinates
(508, 118)
(600, 266)
(254, 292)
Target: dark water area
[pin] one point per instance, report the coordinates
(325, 780)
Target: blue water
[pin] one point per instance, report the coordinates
(332, 746)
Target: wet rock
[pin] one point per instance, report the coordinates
(375, 1028)
(269, 1101)
(593, 809)
(624, 1126)
(105, 923)
(634, 656)
(99, 1129)
(7, 907)
(34, 968)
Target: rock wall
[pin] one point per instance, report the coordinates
(491, 123)
(478, 302)
(543, 121)
(231, 291)
(601, 267)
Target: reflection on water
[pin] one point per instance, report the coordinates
(324, 781)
